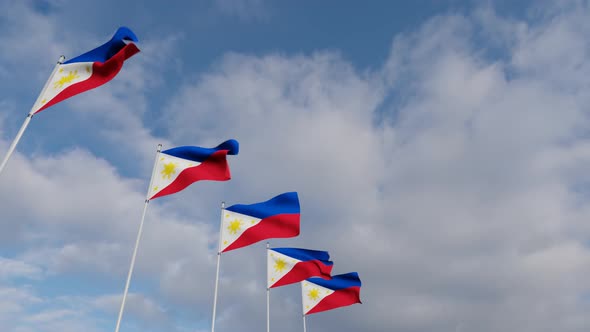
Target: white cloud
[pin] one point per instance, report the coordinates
(11, 268)
(448, 206)
(137, 307)
(453, 180)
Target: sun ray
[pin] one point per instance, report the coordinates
(280, 265)
(168, 171)
(66, 79)
(313, 294)
(234, 226)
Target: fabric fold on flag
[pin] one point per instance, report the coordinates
(89, 70)
(320, 295)
(179, 167)
(243, 225)
(290, 265)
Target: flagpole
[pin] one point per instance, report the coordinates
(303, 305)
(29, 116)
(304, 328)
(147, 201)
(267, 291)
(217, 273)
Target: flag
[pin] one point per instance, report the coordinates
(88, 71)
(291, 265)
(244, 225)
(179, 167)
(321, 295)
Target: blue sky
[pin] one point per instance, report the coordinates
(439, 149)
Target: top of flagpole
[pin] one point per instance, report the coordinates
(28, 118)
(158, 150)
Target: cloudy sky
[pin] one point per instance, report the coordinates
(440, 149)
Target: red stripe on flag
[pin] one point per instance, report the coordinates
(339, 298)
(304, 270)
(214, 168)
(101, 74)
(273, 227)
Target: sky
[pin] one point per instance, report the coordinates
(439, 148)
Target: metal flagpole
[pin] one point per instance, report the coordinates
(267, 291)
(147, 201)
(217, 274)
(29, 116)
(303, 305)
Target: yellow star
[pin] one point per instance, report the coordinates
(253, 222)
(168, 171)
(88, 69)
(66, 79)
(280, 265)
(43, 101)
(314, 294)
(61, 70)
(224, 242)
(234, 226)
(156, 188)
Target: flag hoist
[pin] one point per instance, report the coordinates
(82, 73)
(175, 169)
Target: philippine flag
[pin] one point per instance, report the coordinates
(179, 167)
(88, 71)
(321, 295)
(291, 265)
(244, 225)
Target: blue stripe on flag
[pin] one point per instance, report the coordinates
(108, 49)
(197, 153)
(287, 203)
(337, 282)
(305, 254)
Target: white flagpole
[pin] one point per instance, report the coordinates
(217, 273)
(303, 305)
(304, 328)
(29, 116)
(147, 201)
(267, 291)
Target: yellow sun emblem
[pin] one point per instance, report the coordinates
(280, 265)
(313, 294)
(66, 79)
(234, 226)
(168, 171)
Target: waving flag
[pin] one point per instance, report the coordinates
(88, 71)
(179, 167)
(291, 265)
(244, 225)
(321, 295)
